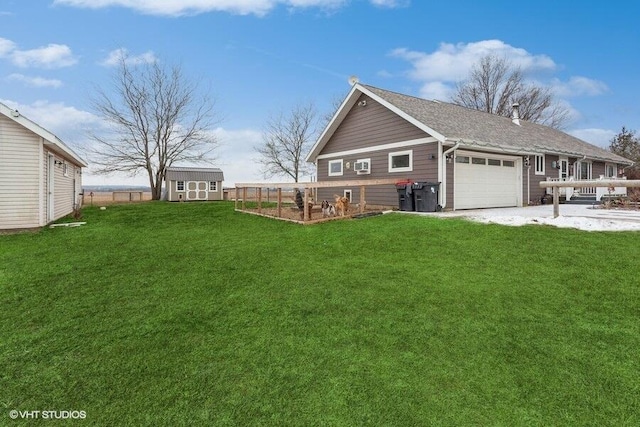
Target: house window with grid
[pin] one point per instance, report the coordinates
(213, 186)
(179, 185)
(539, 164)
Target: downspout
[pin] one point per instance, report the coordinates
(528, 181)
(443, 193)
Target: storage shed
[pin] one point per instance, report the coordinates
(187, 184)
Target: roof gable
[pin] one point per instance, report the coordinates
(471, 128)
(48, 137)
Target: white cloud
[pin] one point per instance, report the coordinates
(6, 47)
(194, 7)
(68, 123)
(579, 86)
(115, 56)
(436, 90)
(451, 63)
(50, 56)
(438, 72)
(237, 157)
(600, 137)
(390, 3)
(35, 81)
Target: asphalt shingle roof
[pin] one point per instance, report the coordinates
(484, 130)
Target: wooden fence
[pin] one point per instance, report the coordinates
(113, 197)
(243, 190)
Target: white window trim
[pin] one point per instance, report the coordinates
(615, 169)
(329, 173)
(184, 186)
(215, 186)
(368, 162)
(348, 194)
(535, 164)
(401, 153)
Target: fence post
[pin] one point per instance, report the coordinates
(556, 201)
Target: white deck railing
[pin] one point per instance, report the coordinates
(610, 191)
(568, 192)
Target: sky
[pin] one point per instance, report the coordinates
(261, 58)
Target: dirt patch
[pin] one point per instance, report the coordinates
(294, 214)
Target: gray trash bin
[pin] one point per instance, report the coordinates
(425, 195)
(405, 196)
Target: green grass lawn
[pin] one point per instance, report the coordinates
(193, 314)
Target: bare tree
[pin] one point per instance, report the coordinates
(157, 118)
(286, 140)
(494, 85)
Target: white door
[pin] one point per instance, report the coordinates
(563, 173)
(584, 170)
(197, 190)
(484, 180)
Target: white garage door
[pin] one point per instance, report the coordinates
(486, 181)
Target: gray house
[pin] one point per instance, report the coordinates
(40, 176)
(480, 160)
(185, 184)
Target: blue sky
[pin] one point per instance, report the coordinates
(261, 57)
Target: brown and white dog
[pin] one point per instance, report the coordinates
(342, 204)
(328, 209)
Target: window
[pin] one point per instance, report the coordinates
(478, 161)
(494, 162)
(401, 161)
(335, 167)
(462, 159)
(539, 164)
(180, 186)
(508, 163)
(609, 170)
(213, 186)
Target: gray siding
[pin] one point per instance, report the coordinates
(424, 169)
(371, 125)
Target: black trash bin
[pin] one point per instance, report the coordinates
(425, 195)
(405, 196)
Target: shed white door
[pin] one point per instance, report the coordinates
(486, 181)
(197, 190)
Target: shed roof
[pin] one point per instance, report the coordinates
(452, 123)
(49, 138)
(194, 174)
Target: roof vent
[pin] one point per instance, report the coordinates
(515, 117)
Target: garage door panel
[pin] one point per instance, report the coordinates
(485, 184)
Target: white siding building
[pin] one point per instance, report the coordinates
(40, 177)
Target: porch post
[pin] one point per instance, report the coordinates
(556, 201)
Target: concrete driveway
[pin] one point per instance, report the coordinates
(584, 217)
(546, 211)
